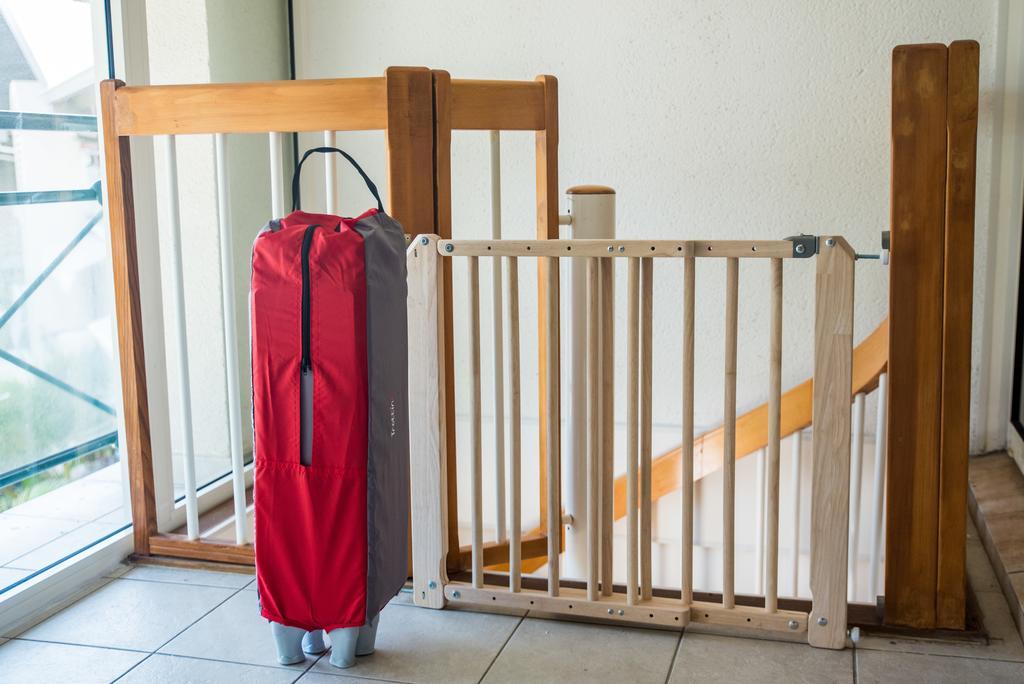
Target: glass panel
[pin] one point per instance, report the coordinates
(60, 473)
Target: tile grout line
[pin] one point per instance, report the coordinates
(349, 675)
(183, 584)
(179, 633)
(675, 656)
(995, 659)
(214, 660)
(515, 629)
(71, 643)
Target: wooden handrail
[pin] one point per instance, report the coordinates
(870, 359)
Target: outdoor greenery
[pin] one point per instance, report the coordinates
(56, 477)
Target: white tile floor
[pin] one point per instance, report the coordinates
(160, 624)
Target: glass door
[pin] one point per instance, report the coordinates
(61, 487)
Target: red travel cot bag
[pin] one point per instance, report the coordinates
(329, 376)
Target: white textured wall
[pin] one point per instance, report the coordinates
(202, 41)
(712, 120)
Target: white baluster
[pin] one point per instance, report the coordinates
(178, 288)
(227, 278)
(276, 177)
(499, 352)
(856, 454)
(796, 494)
(759, 523)
(878, 486)
(331, 173)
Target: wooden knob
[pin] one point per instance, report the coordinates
(590, 190)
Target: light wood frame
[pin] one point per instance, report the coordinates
(826, 624)
(398, 103)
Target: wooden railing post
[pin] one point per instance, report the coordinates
(934, 131)
(427, 423)
(124, 257)
(830, 483)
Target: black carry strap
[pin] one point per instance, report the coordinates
(327, 150)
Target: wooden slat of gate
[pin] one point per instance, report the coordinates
(915, 315)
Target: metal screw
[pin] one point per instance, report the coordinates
(424, 241)
(449, 247)
(822, 621)
(611, 612)
(800, 249)
(793, 624)
(622, 248)
(621, 612)
(830, 242)
(432, 584)
(456, 594)
(611, 249)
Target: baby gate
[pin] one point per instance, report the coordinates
(599, 597)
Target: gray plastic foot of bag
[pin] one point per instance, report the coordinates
(349, 642)
(313, 642)
(289, 643)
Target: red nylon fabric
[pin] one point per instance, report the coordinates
(310, 521)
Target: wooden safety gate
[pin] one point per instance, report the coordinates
(601, 596)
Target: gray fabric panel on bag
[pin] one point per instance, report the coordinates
(306, 418)
(387, 467)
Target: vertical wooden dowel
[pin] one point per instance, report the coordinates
(607, 422)
(476, 448)
(515, 558)
(500, 532)
(646, 330)
(632, 423)
(771, 592)
(594, 430)
(552, 424)
(732, 270)
(686, 477)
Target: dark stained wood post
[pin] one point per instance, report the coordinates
(934, 123)
(124, 255)
(957, 298)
